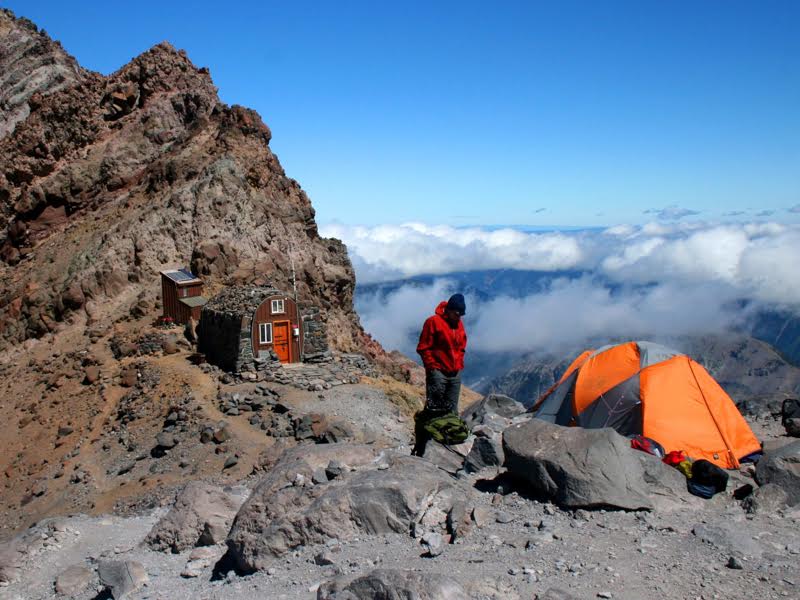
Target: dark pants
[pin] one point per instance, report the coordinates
(441, 396)
(442, 391)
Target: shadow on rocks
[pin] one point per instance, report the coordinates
(225, 565)
(504, 483)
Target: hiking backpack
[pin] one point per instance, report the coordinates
(447, 429)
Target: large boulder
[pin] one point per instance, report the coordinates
(486, 450)
(387, 497)
(491, 407)
(201, 516)
(121, 578)
(575, 467)
(488, 418)
(447, 458)
(393, 584)
(73, 580)
(782, 467)
(765, 500)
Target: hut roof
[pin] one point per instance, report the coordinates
(182, 276)
(241, 299)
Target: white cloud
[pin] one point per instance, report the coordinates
(396, 318)
(573, 311)
(757, 259)
(389, 252)
(653, 279)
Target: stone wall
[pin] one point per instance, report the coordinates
(315, 338)
(219, 337)
(246, 358)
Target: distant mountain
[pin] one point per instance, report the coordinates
(483, 285)
(781, 329)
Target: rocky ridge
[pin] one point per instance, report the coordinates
(31, 67)
(104, 181)
(108, 180)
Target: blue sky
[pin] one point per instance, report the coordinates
(472, 114)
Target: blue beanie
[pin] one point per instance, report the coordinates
(457, 304)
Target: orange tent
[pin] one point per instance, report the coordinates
(647, 389)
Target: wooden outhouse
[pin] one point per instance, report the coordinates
(182, 295)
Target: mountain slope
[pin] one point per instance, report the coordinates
(110, 179)
(105, 181)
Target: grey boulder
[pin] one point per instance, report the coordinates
(201, 516)
(491, 407)
(393, 584)
(575, 467)
(73, 580)
(122, 578)
(486, 451)
(447, 458)
(767, 499)
(278, 518)
(782, 467)
(488, 418)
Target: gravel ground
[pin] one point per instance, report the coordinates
(523, 547)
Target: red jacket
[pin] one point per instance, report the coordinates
(440, 345)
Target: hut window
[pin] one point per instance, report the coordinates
(265, 333)
(277, 307)
(184, 292)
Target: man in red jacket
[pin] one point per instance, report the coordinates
(441, 345)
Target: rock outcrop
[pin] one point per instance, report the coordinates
(107, 180)
(297, 504)
(31, 67)
(575, 467)
(782, 467)
(201, 516)
(393, 583)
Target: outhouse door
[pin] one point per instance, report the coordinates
(281, 340)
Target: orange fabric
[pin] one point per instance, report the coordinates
(732, 425)
(575, 364)
(604, 371)
(683, 408)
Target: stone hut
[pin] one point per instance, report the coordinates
(245, 325)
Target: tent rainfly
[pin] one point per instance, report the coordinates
(643, 388)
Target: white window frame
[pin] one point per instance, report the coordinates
(277, 307)
(184, 292)
(265, 333)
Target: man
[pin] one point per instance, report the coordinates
(441, 345)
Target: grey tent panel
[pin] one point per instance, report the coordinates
(651, 353)
(557, 407)
(619, 408)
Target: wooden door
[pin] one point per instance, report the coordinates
(281, 340)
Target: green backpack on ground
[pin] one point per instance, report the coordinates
(447, 428)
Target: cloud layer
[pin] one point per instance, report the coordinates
(653, 279)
